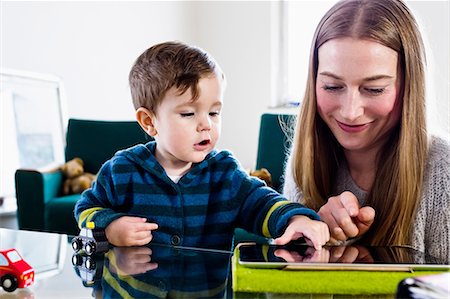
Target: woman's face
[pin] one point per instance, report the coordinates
(358, 87)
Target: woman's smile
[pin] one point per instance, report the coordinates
(352, 128)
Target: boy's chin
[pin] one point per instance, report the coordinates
(199, 157)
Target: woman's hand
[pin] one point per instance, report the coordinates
(130, 231)
(339, 254)
(345, 218)
(309, 256)
(350, 254)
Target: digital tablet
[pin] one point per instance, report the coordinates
(350, 257)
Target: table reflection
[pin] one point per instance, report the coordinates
(350, 254)
(156, 271)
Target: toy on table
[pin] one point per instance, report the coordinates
(88, 267)
(14, 271)
(88, 247)
(90, 240)
(76, 180)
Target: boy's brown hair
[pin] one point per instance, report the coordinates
(166, 65)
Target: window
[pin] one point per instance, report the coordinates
(300, 18)
(32, 124)
(297, 22)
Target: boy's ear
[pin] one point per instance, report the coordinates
(146, 120)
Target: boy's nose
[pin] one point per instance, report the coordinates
(351, 106)
(204, 124)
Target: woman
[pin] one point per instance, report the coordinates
(361, 155)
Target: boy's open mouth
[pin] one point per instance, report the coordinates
(204, 142)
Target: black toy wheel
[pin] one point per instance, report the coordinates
(9, 283)
(90, 247)
(77, 244)
(77, 260)
(90, 263)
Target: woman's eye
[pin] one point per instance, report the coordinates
(375, 91)
(215, 113)
(187, 114)
(332, 88)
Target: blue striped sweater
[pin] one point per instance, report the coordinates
(201, 210)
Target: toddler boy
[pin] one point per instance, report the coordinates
(178, 189)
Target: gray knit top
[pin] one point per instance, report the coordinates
(431, 229)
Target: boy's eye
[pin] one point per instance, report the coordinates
(187, 114)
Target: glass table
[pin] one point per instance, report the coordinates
(154, 271)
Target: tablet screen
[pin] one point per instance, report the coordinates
(351, 257)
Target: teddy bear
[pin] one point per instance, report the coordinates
(263, 174)
(76, 180)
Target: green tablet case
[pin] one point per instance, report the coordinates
(340, 282)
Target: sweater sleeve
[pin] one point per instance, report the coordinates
(263, 210)
(431, 231)
(96, 203)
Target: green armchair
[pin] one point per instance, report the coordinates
(40, 202)
(275, 133)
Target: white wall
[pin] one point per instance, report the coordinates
(89, 45)
(92, 45)
(237, 33)
(434, 20)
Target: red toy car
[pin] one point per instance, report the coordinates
(14, 271)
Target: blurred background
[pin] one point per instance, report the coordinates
(262, 46)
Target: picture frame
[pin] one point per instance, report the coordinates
(33, 124)
(31, 245)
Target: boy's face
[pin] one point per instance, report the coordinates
(186, 130)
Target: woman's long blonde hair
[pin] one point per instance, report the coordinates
(396, 191)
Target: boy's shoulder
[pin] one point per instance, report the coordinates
(221, 156)
(141, 150)
(137, 154)
(224, 162)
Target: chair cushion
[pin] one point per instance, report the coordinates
(275, 137)
(59, 215)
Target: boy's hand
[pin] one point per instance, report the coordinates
(130, 231)
(315, 232)
(132, 260)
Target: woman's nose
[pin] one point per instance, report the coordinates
(352, 106)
